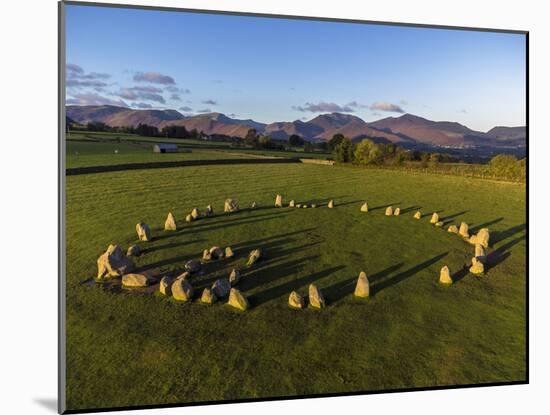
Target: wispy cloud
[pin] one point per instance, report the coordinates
(386, 107)
(175, 97)
(326, 107)
(142, 105)
(204, 111)
(154, 78)
(186, 109)
(147, 93)
(90, 98)
(177, 90)
(77, 78)
(209, 102)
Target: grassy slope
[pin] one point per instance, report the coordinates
(130, 349)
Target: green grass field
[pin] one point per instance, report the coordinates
(131, 349)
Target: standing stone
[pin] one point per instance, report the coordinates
(452, 229)
(253, 206)
(113, 263)
(170, 223)
(237, 300)
(397, 212)
(439, 224)
(136, 280)
(234, 277)
(330, 204)
(229, 252)
(292, 203)
(313, 205)
(445, 276)
(304, 206)
(482, 238)
(221, 287)
(193, 265)
(165, 286)
(208, 296)
(435, 218)
(133, 250)
(206, 255)
(278, 201)
(216, 252)
(365, 207)
(463, 230)
(182, 290)
(209, 211)
(362, 288)
(253, 257)
(195, 214)
(230, 205)
(298, 205)
(477, 267)
(480, 254)
(143, 231)
(389, 211)
(184, 275)
(295, 300)
(189, 218)
(418, 214)
(316, 299)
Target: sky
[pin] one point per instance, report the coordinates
(271, 69)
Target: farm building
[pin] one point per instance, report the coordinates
(165, 148)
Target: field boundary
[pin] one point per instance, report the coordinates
(178, 163)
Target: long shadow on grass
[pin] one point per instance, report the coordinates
(377, 287)
(499, 255)
(474, 229)
(289, 286)
(384, 206)
(447, 219)
(351, 202)
(410, 209)
(498, 236)
(341, 289)
(262, 241)
(170, 246)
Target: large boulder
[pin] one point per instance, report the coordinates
(435, 218)
(229, 252)
(389, 211)
(253, 257)
(295, 300)
(480, 253)
(195, 214)
(316, 299)
(208, 296)
(143, 231)
(397, 212)
(292, 203)
(182, 290)
(463, 230)
(237, 300)
(234, 277)
(481, 238)
(209, 211)
(133, 250)
(230, 205)
(165, 286)
(113, 263)
(136, 280)
(365, 207)
(330, 204)
(221, 287)
(477, 267)
(445, 276)
(278, 201)
(452, 229)
(170, 223)
(216, 252)
(362, 288)
(193, 265)
(418, 214)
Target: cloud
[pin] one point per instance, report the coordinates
(325, 107)
(147, 93)
(77, 78)
(209, 102)
(74, 69)
(186, 109)
(175, 97)
(77, 83)
(204, 111)
(176, 90)
(142, 105)
(154, 78)
(386, 107)
(90, 98)
(463, 111)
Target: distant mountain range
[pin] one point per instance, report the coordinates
(407, 130)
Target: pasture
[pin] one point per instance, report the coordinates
(131, 349)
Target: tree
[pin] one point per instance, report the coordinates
(335, 140)
(308, 147)
(295, 140)
(251, 137)
(343, 152)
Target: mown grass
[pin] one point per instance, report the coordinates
(135, 350)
